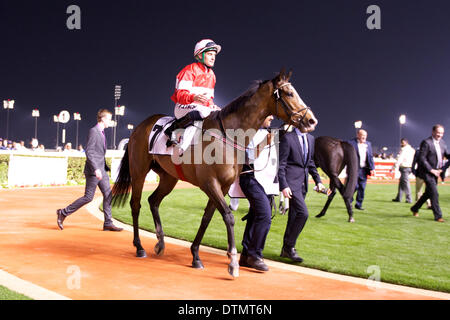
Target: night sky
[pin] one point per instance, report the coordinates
(342, 70)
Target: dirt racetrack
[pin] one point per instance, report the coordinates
(84, 262)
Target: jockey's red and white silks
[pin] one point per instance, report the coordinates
(194, 79)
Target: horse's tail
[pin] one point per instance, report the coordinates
(351, 161)
(122, 185)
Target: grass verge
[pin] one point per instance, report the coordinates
(407, 250)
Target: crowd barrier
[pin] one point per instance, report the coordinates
(34, 168)
(38, 168)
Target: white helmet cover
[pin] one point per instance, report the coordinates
(206, 45)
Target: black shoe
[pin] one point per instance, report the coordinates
(290, 253)
(243, 261)
(111, 228)
(359, 208)
(395, 200)
(257, 263)
(60, 219)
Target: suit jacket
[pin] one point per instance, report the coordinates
(415, 162)
(95, 152)
(370, 164)
(427, 159)
(293, 171)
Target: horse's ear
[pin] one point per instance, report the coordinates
(283, 73)
(289, 75)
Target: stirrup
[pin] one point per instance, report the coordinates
(171, 143)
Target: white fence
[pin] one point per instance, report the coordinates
(28, 168)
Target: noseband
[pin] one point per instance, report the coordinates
(287, 110)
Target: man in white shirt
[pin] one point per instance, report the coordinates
(404, 164)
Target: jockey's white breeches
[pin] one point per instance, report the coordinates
(182, 109)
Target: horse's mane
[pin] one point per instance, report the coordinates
(234, 105)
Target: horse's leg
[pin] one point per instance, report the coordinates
(214, 191)
(135, 203)
(347, 201)
(348, 204)
(209, 212)
(327, 204)
(166, 185)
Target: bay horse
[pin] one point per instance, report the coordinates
(272, 97)
(333, 155)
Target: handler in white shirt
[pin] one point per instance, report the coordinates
(403, 164)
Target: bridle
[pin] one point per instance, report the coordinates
(278, 98)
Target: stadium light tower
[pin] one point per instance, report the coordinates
(35, 114)
(119, 112)
(130, 127)
(402, 121)
(77, 118)
(8, 105)
(56, 120)
(117, 95)
(358, 125)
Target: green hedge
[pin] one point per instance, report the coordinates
(4, 163)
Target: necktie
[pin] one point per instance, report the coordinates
(104, 138)
(305, 147)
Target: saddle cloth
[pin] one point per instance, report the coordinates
(158, 139)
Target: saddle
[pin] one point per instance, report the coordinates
(185, 137)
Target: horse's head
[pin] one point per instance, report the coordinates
(289, 106)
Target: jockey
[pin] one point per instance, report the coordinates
(194, 88)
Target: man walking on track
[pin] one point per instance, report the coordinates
(95, 172)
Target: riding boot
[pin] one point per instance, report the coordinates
(181, 123)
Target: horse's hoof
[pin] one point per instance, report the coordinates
(197, 264)
(233, 270)
(159, 249)
(141, 254)
(320, 215)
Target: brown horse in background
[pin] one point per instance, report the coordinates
(333, 155)
(273, 97)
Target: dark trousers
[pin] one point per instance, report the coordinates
(431, 193)
(258, 218)
(297, 217)
(89, 192)
(403, 184)
(361, 186)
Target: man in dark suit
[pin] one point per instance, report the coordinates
(430, 164)
(259, 183)
(95, 172)
(296, 162)
(366, 164)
